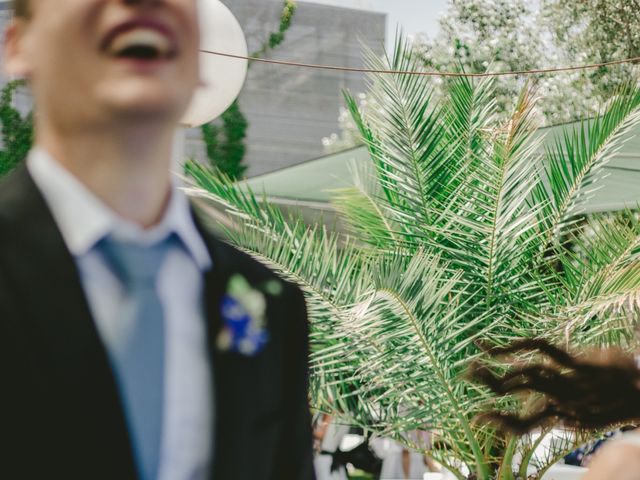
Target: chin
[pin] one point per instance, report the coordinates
(147, 108)
(149, 102)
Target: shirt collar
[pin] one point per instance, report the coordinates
(83, 219)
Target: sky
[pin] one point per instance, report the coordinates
(415, 16)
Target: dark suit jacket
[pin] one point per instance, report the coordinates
(60, 414)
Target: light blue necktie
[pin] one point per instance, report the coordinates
(138, 360)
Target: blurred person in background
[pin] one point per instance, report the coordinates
(399, 462)
(594, 390)
(328, 435)
(119, 352)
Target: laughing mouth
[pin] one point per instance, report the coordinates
(140, 42)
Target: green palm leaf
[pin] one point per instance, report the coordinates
(461, 234)
(320, 262)
(364, 210)
(405, 138)
(575, 165)
(394, 329)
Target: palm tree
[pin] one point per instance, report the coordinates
(460, 233)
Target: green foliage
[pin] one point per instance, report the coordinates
(17, 131)
(276, 38)
(225, 141)
(513, 35)
(458, 234)
(481, 35)
(597, 31)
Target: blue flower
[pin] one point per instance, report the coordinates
(243, 314)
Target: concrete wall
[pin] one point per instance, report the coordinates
(290, 109)
(21, 99)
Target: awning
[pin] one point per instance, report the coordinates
(308, 185)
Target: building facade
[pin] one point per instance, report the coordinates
(290, 109)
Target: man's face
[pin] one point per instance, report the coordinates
(93, 62)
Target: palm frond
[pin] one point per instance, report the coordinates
(489, 223)
(610, 316)
(599, 248)
(362, 207)
(556, 444)
(321, 263)
(240, 204)
(469, 117)
(415, 330)
(405, 137)
(601, 271)
(332, 277)
(460, 235)
(575, 165)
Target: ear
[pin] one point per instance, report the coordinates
(16, 62)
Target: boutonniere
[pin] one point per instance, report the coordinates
(243, 310)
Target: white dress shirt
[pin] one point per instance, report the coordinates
(83, 220)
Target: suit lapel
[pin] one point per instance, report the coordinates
(70, 355)
(234, 394)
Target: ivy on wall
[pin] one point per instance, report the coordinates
(224, 142)
(225, 139)
(276, 38)
(17, 130)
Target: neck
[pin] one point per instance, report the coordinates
(127, 167)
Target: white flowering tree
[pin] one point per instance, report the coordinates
(513, 35)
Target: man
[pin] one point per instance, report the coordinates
(116, 305)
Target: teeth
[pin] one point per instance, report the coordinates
(141, 37)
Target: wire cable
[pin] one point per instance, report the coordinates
(540, 71)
